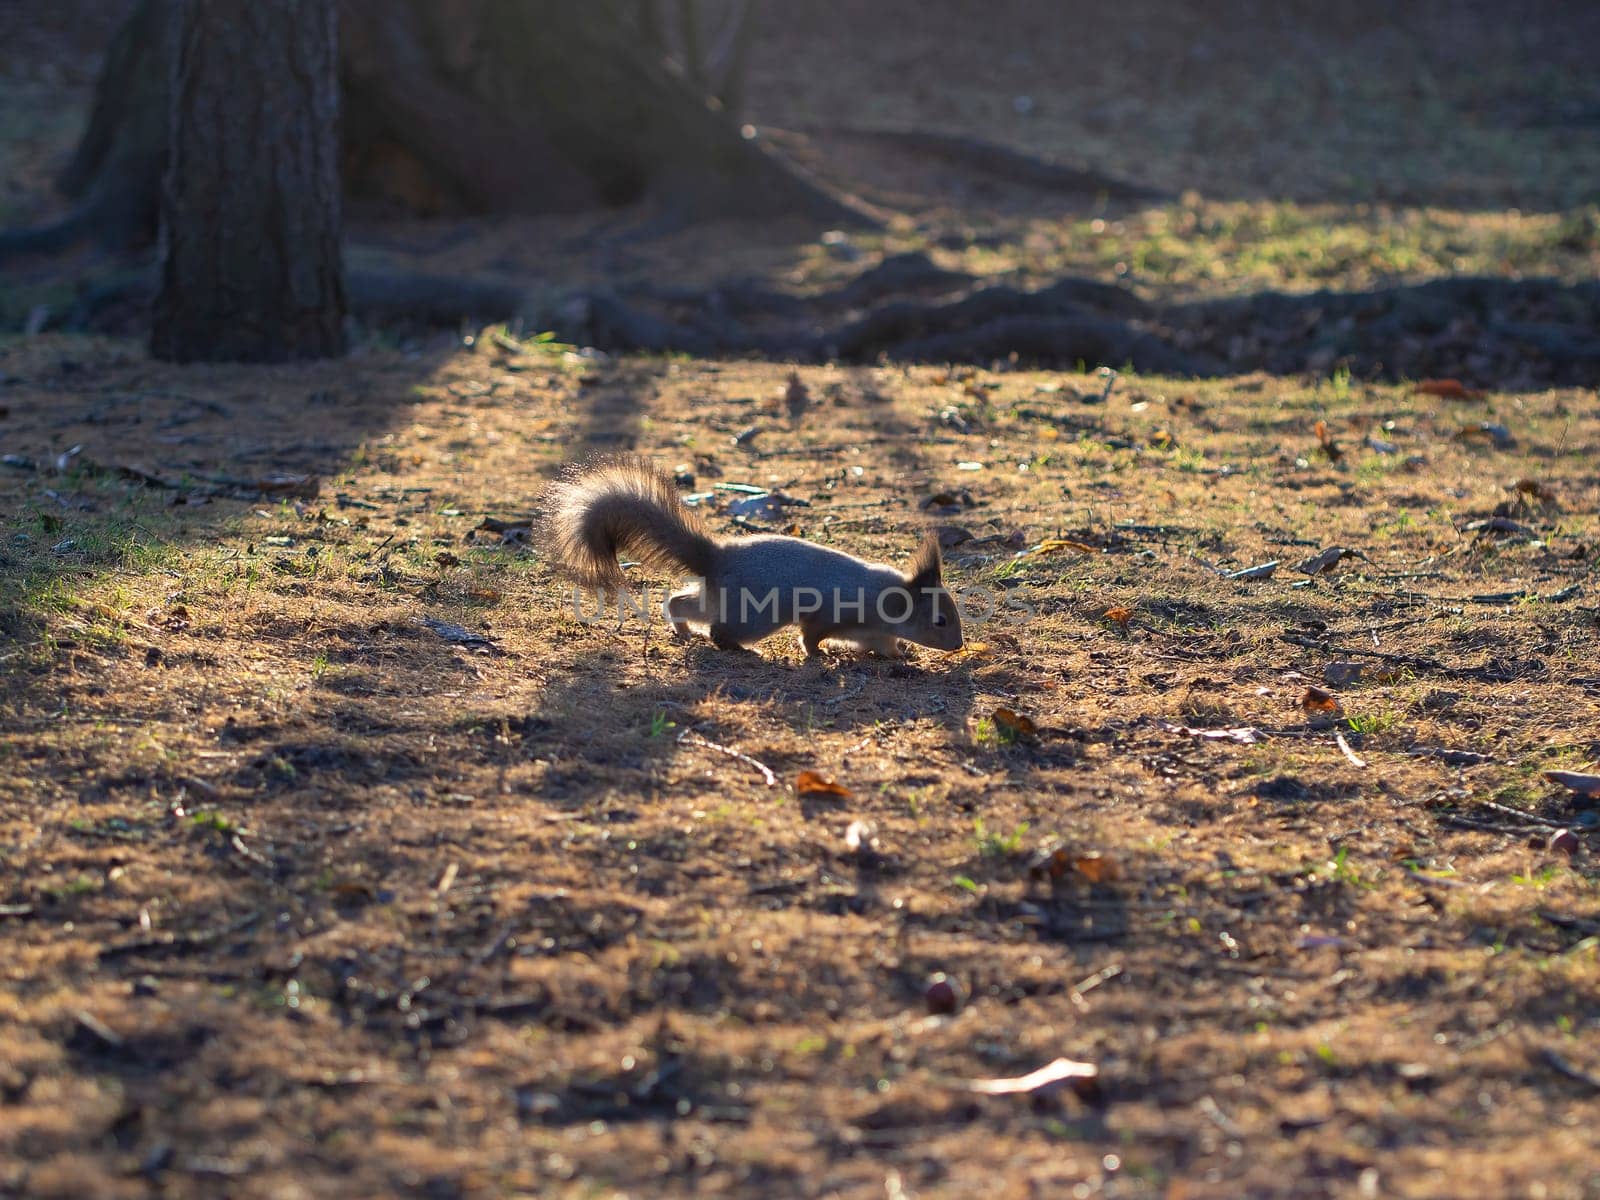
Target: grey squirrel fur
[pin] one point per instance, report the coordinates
(746, 588)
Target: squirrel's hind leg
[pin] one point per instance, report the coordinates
(812, 634)
(685, 607)
(884, 645)
(727, 636)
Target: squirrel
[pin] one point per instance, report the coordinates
(747, 588)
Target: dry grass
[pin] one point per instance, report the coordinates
(299, 899)
(303, 899)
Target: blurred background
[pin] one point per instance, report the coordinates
(1190, 152)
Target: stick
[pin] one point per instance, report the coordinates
(692, 738)
(1344, 748)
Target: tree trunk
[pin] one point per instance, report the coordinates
(250, 212)
(115, 173)
(452, 105)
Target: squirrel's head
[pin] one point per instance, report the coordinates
(935, 620)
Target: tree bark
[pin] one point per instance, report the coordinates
(250, 212)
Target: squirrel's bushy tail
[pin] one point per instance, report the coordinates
(621, 506)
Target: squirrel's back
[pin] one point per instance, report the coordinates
(622, 506)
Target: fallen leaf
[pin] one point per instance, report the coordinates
(1051, 545)
(1581, 782)
(1499, 525)
(1050, 863)
(1446, 389)
(949, 500)
(1119, 615)
(809, 783)
(1048, 1077)
(286, 483)
(1488, 431)
(1019, 727)
(768, 506)
(1325, 440)
(1318, 701)
(1564, 841)
(458, 634)
(1451, 758)
(1318, 563)
(512, 533)
(1096, 867)
(1341, 674)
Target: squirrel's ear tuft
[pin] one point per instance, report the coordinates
(927, 568)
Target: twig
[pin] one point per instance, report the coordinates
(180, 942)
(1344, 748)
(1576, 924)
(690, 737)
(1575, 1073)
(1525, 816)
(1105, 975)
(1403, 659)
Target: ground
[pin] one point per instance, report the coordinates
(301, 897)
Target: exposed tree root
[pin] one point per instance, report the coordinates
(389, 299)
(908, 310)
(997, 161)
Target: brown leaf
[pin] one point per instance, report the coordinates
(1018, 726)
(809, 783)
(1318, 701)
(1097, 867)
(1487, 431)
(1048, 1077)
(1536, 490)
(1581, 782)
(1318, 563)
(1325, 440)
(1119, 615)
(286, 483)
(1447, 389)
(1051, 863)
(949, 500)
(1051, 545)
